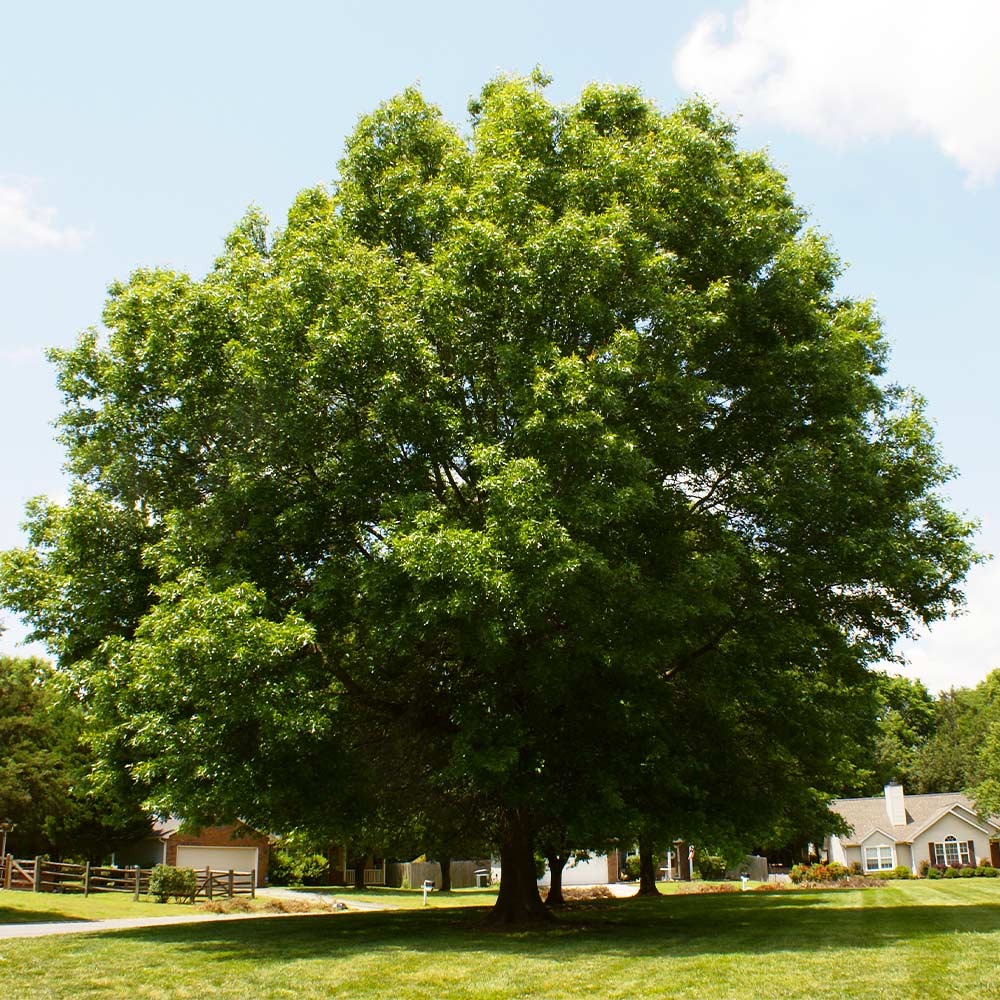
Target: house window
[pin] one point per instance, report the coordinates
(952, 852)
(879, 859)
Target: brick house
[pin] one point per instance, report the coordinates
(217, 847)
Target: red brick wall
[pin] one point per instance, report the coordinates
(613, 870)
(222, 836)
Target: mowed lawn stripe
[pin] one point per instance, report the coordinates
(908, 940)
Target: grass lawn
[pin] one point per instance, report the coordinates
(909, 941)
(42, 907)
(407, 899)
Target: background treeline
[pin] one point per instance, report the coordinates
(46, 787)
(949, 742)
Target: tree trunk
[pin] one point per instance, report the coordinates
(359, 872)
(556, 866)
(445, 874)
(518, 901)
(647, 869)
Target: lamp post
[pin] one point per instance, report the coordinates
(5, 827)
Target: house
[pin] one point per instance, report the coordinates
(217, 847)
(599, 869)
(898, 829)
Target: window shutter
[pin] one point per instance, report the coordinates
(972, 853)
(931, 848)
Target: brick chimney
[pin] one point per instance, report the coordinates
(895, 804)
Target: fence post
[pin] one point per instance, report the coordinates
(208, 883)
(253, 883)
(39, 870)
(7, 871)
(86, 880)
(138, 874)
(230, 883)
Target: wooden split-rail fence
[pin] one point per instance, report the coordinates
(41, 875)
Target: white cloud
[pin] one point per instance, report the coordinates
(17, 357)
(27, 224)
(961, 651)
(859, 69)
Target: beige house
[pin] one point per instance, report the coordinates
(898, 829)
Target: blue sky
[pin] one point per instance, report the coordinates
(136, 135)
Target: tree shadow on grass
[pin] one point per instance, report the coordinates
(738, 925)
(15, 915)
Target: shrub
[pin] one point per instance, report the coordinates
(798, 873)
(934, 872)
(292, 866)
(922, 868)
(901, 871)
(986, 871)
(166, 881)
(951, 873)
(833, 872)
(856, 868)
(711, 867)
(631, 868)
(968, 872)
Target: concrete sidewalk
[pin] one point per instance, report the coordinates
(30, 930)
(122, 923)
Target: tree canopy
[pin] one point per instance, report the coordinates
(546, 461)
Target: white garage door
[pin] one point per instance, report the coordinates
(219, 859)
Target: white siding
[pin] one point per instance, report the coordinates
(837, 851)
(593, 871)
(950, 826)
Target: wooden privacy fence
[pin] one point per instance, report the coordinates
(41, 875)
(413, 874)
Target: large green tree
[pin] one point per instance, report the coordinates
(549, 454)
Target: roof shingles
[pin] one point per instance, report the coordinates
(864, 816)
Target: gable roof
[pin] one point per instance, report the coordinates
(955, 810)
(167, 827)
(164, 828)
(865, 816)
